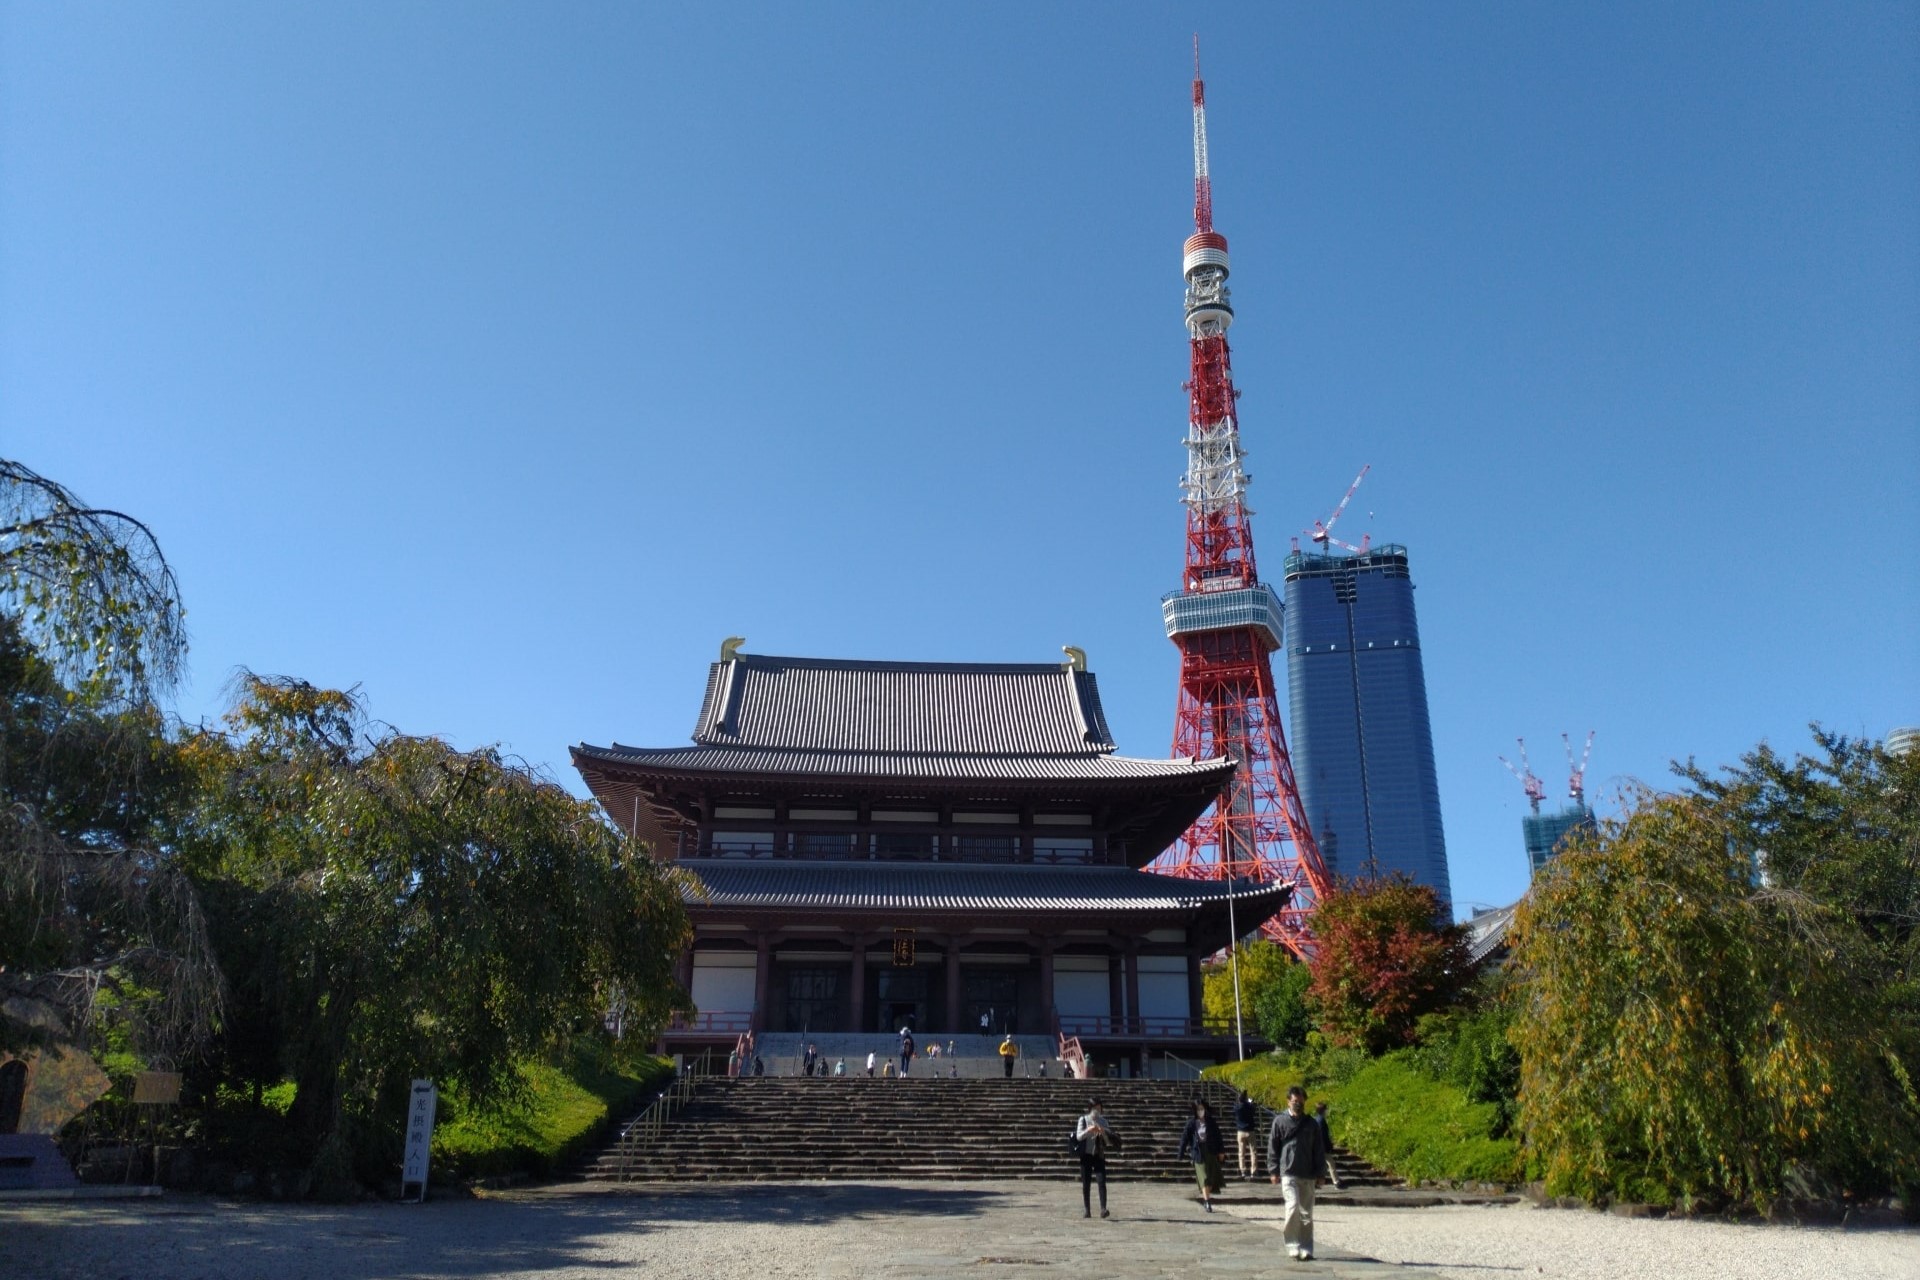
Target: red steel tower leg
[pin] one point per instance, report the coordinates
(1225, 621)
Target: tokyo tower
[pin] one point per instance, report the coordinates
(1225, 621)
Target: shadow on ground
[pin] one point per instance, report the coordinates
(552, 1231)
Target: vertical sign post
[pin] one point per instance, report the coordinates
(413, 1168)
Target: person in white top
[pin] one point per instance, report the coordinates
(1095, 1135)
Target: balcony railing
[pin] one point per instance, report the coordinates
(710, 1024)
(1081, 1025)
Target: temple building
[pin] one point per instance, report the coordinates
(950, 846)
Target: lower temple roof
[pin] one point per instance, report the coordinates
(904, 889)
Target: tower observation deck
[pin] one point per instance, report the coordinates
(1224, 620)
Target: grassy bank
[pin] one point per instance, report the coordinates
(564, 1110)
(1389, 1113)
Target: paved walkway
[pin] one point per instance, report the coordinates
(760, 1231)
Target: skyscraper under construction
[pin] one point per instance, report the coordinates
(1362, 744)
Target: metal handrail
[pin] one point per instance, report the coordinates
(649, 1124)
(1071, 1051)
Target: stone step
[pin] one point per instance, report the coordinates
(784, 1128)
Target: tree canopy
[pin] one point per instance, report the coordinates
(1716, 1001)
(390, 907)
(1382, 960)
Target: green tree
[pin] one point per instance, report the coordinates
(1382, 961)
(101, 939)
(392, 907)
(1690, 1030)
(90, 590)
(1272, 993)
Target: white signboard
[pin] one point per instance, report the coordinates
(413, 1168)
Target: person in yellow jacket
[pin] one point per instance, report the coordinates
(1008, 1052)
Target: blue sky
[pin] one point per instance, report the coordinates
(502, 360)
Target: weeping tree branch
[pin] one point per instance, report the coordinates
(90, 589)
(104, 937)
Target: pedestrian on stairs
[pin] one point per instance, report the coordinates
(906, 1051)
(813, 1056)
(840, 1067)
(1326, 1134)
(869, 1064)
(1095, 1135)
(1201, 1141)
(1297, 1160)
(1244, 1115)
(1009, 1054)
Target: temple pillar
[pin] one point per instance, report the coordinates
(1116, 989)
(762, 977)
(1196, 990)
(1046, 986)
(1133, 986)
(953, 984)
(859, 993)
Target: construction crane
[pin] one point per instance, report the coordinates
(1530, 782)
(1577, 773)
(1322, 532)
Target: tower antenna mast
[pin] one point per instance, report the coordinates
(1224, 620)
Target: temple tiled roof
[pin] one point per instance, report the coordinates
(839, 718)
(938, 887)
(883, 708)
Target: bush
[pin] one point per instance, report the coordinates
(1389, 1112)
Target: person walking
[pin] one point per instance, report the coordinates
(1201, 1141)
(1009, 1054)
(1326, 1136)
(1244, 1115)
(813, 1056)
(1297, 1160)
(1095, 1136)
(869, 1064)
(906, 1050)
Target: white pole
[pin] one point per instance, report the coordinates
(1233, 963)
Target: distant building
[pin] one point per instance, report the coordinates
(1902, 741)
(1362, 744)
(1543, 832)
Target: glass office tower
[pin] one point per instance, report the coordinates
(1362, 745)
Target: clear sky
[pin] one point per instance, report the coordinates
(503, 359)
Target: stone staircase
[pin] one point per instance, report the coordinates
(782, 1127)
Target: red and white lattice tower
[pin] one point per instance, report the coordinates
(1225, 621)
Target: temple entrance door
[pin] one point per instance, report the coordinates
(903, 999)
(991, 1002)
(813, 1000)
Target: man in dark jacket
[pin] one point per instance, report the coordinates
(1297, 1159)
(1244, 1115)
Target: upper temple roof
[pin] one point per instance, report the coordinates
(917, 708)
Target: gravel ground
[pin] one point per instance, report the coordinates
(1481, 1243)
(924, 1231)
